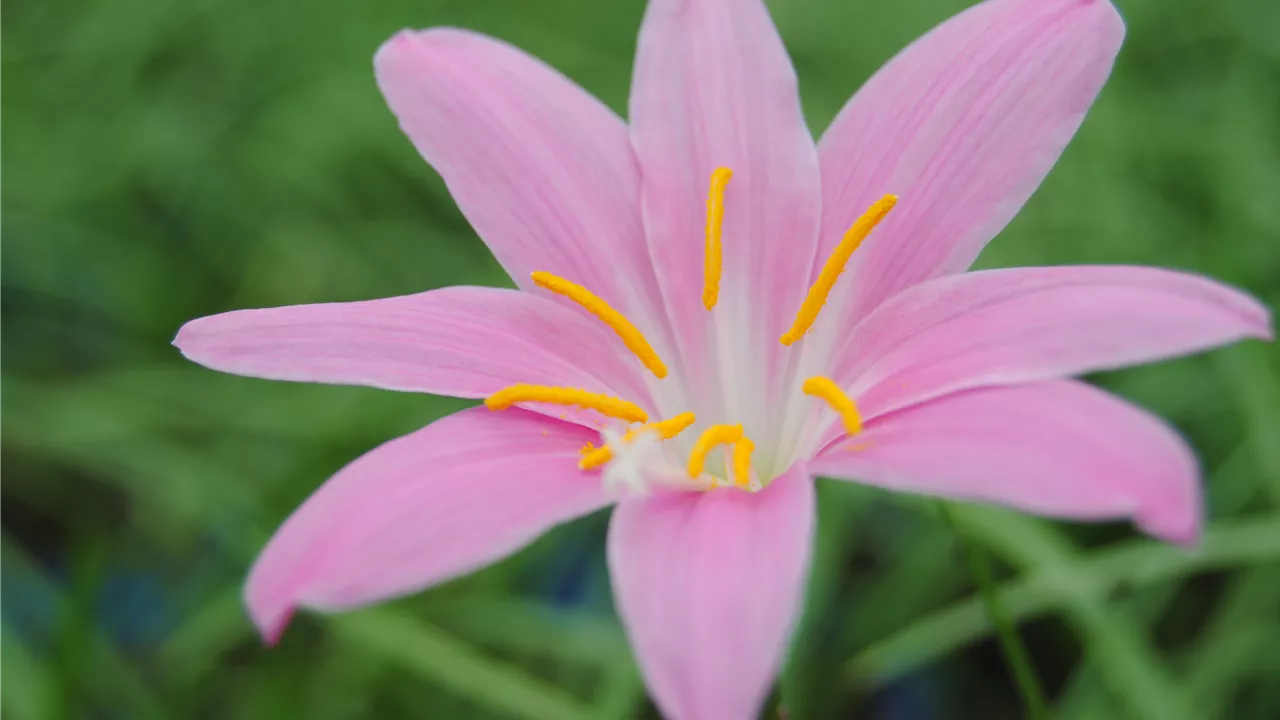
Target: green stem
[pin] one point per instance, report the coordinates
(1015, 654)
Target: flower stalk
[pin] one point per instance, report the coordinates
(1015, 654)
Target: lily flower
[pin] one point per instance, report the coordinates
(713, 309)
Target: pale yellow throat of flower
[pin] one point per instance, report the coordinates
(739, 446)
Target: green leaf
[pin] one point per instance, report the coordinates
(1056, 581)
(438, 658)
(1137, 563)
(28, 683)
(92, 669)
(207, 633)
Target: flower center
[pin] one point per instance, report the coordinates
(593, 457)
(640, 457)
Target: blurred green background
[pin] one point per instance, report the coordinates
(168, 160)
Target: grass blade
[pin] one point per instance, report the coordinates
(439, 658)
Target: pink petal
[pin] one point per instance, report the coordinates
(542, 170)
(713, 88)
(962, 125)
(458, 494)
(1060, 448)
(708, 585)
(459, 341)
(1000, 327)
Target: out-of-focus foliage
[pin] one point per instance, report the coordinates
(167, 160)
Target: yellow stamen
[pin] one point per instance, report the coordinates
(629, 333)
(714, 251)
(742, 461)
(593, 457)
(821, 288)
(670, 427)
(711, 437)
(821, 387)
(603, 404)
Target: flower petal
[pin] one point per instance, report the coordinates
(460, 341)
(458, 494)
(962, 126)
(713, 88)
(1060, 448)
(1000, 327)
(542, 170)
(708, 585)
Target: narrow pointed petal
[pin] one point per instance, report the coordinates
(461, 341)
(542, 170)
(459, 494)
(714, 87)
(1000, 327)
(708, 586)
(962, 125)
(1059, 448)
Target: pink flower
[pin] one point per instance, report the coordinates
(684, 343)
